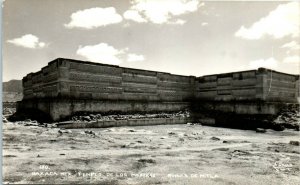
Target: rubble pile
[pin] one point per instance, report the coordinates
(289, 118)
(99, 117)
(4, 120)
(29, 122)
(8, 111)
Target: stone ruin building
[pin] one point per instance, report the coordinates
(66, 86)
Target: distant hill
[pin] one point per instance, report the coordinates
(12, 86)
(12, 91)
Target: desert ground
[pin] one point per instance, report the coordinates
(161, 154)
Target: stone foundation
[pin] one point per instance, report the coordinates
(119, 123)
(60, 109)
(243, 115)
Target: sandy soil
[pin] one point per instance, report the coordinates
(164, 154)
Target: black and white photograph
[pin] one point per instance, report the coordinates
(147, 92)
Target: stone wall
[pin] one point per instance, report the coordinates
(85, 80)
(59, 109)
(262, 85)
(67, 86)
(280, 87)
(42, 84)
(120, 123)
(230, 86)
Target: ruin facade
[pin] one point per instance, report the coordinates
(65, 87)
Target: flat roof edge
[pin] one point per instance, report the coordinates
(116, 66)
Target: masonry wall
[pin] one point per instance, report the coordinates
(231, 86)
(280, 87)
(42, 84)
(67, 86)
(80, 80)
(262, 85)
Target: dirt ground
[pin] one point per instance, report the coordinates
(163, 154)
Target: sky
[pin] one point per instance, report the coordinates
(185, 37)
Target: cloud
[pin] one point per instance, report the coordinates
(204, 24)
(281, 22)
(134, 57)
(159, 12)
(104, 53)
(134, 16)
(267, 63)
(27, 41)
(94, 17)
(101, 53)
(292, 59)
(293, 45)
(178, 21)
